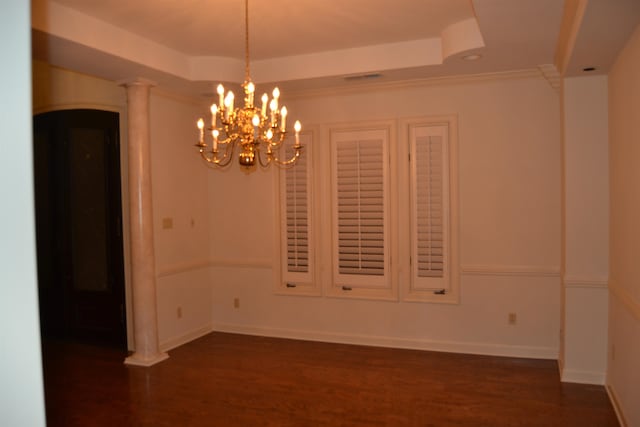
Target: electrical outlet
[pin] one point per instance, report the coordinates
(236, 302)
(179, 312)
(513, 318)
(167, 223)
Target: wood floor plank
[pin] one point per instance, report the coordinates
(237, 380)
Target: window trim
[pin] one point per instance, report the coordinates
(336, 285)
(410, 292)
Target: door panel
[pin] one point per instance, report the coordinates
(88, 209)
(78, 211)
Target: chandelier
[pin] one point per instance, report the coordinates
(254, 131)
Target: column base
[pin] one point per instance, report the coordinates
(137, 360)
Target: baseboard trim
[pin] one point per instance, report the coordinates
(136, 360)
(582, 377)
(616, 405)
(172, 343)
(393, 342)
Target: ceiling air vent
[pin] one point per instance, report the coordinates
(358, 77)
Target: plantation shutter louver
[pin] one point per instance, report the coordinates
(360, 208)
(430, 262)
(297, 217)
(360, 211)
(430, 195)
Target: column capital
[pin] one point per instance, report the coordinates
(136, 81)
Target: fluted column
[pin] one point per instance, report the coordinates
(145, 319)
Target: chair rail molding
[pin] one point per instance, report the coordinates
(510, 270)
(596, 282)
(625, 298)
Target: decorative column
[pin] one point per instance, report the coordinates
(145, 319)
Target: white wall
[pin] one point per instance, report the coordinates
(179, 185)
(21, 391)
(587, 175)
(586, 224)
(179, 193)
(623, 373)
(509, 143)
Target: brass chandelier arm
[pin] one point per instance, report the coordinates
(272, 158)
(290, 162)
(261, 161)
(214, 160)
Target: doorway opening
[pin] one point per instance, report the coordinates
(79, 226)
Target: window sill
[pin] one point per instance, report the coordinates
(381, 294)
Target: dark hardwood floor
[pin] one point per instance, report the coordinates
(234, 380)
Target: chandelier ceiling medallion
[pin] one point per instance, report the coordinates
(258, 133)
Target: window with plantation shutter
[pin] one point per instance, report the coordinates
(376, 203)
(296, 222)
(360, 209)
(430, 207)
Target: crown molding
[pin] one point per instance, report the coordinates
(531, 73)
(552, 75)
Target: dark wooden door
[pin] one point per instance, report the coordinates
(79, 226)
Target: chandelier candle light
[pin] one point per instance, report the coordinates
(259, 135)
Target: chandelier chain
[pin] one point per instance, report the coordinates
(246, 41)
